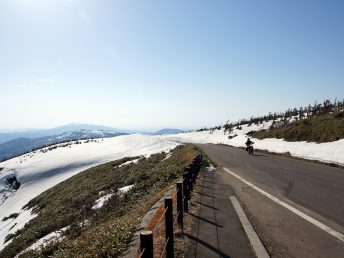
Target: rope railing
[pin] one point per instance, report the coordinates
(142, 252)
(165, 246)
(159, 221)
(183, 196)
(158, 241)
(175, 194)
(176, 219)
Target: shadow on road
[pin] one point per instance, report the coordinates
(203, 204)
(206, 220)
(205, 181)
(207, 245)
(211, 196)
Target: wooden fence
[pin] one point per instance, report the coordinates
(183, 194)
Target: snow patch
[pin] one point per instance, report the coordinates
(168, 156)
(55, 236)
(210, 168)
(134, 161)
(101, 201)
(123, 190)
(10, 226)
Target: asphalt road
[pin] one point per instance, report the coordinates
(313, 189)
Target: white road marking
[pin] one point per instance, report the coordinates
(315, 222)
(257, 245)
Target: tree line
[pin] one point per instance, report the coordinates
(282, 118)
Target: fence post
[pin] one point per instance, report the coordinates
(180, 204)
(185, 198)
(190, 180)
(169, 228)
(194, 171)
(200, 162)
(146, 244)
(196, 166)
(186, 185)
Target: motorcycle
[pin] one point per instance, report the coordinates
(250, 150)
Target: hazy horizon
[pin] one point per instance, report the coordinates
(143, 129)
(154, 64)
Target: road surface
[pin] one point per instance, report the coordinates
(307, 220)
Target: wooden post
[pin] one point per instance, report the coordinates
(194, 171)
(200, 162)
(169, 227)
(180, 204)
(186, 184)
(146, 244)
(185, 198)
(190, 179)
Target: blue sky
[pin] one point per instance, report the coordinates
(152, 64)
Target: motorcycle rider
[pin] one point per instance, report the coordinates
(248, 143)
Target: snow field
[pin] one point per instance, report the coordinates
(40, 171)
(329, 152)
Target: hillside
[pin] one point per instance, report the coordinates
(71, 204)
(42, 169)
(20, 146)
(323, 128)
(168, 131)
(326, 152)
(8, 135)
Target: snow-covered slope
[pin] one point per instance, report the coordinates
(42, 170)
(330, 152)
(20, 146)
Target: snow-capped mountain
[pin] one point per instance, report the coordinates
(8, 136)
(168, 131)
(20, 146)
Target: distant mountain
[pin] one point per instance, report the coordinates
(168, 131)
(77, 127)
(8, 136)
(22, 145)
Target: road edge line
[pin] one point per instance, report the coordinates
(257, 245)
(306, 217)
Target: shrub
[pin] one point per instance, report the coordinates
(108, 231)
(12, 216)
(323, 128)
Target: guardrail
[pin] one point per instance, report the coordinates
(183, 195)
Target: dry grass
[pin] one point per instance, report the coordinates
(110, 230)
(323, 128)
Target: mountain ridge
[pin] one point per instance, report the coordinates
(168, 131)
(23, 145)
(36, 133)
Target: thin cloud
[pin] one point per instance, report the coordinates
(44, 80)
(84, 16)
(25, 86)
(32, 86)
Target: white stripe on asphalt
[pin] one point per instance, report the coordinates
(257, 245)
(320, 225)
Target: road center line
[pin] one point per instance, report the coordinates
(315, 222)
